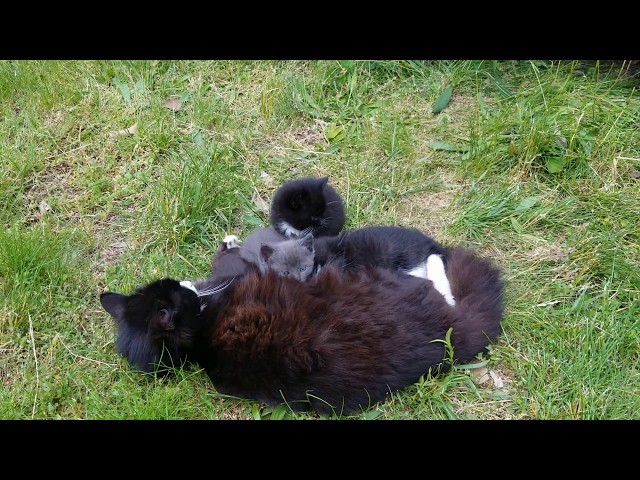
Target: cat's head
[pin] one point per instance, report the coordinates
(307, 205)
(290, 258)
(155, 324)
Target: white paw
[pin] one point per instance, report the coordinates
(232, 241)
(189, 285)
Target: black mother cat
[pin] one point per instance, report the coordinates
(337, 343)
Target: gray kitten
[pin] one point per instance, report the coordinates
(270, 250)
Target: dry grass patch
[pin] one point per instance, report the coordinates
(431, 211)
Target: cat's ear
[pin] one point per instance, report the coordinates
(323, 181)
(265, 252)
(114, 303)
(307, 242)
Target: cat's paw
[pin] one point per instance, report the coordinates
(231, 241)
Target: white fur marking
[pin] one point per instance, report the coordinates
(420, 271)
(436, 273)
(289, 231)
(232, 241)
(189, 285)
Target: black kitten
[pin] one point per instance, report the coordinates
(307, 205)
(401, 249)
(338, 343)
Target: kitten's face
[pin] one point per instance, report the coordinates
(157, 321)
(307, 205)
(290, 258)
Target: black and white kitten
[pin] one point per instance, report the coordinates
(307, 205)
(402, 249)
(336, 344)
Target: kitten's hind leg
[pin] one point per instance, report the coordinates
(231, 241)
(437, 274)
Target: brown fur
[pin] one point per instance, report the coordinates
(337, 343)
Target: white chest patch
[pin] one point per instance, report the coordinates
(420, 271)
(288, 230)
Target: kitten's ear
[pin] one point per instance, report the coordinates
(114, 303)
(323, 181)
(265, 252)
(307, 242)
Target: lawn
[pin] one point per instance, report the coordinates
(115, 173)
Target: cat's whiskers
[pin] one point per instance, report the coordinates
(212, 291)
(217, 289)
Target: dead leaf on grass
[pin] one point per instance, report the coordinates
(173, 103)
(128, 131)
(261, 204)
(266, 178)
(496, 379)
(480, 375)
(43, 206)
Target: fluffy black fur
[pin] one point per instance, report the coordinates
(307, 205)
(155, 324)
(393, 247)
(337, 343)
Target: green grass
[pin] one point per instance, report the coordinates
(533, 164)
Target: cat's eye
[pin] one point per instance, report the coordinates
(304, 269)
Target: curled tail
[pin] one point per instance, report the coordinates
(477, 287)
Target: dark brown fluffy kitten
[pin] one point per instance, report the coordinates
(337, 343)
(307, 205)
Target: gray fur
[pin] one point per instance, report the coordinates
(270, 250)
